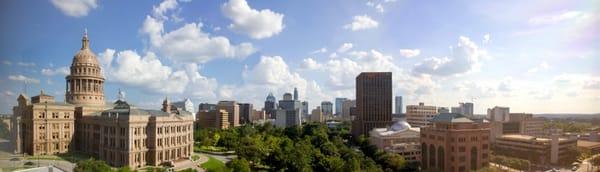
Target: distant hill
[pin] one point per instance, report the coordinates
(568, 115)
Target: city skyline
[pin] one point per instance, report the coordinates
(493, 60)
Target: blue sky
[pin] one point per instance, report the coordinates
(534, 56)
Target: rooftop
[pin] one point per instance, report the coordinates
(451, 118)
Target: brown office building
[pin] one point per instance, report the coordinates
(420, 115)
(373, 102)
(455, 143)
(216, 118)
(117, 133)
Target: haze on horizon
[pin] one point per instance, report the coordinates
(535, 56)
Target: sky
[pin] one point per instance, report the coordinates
(538, 56)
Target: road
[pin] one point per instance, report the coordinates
(9, 160)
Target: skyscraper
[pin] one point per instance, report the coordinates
(339, 102)
(289, 112)
(463, 108)
(327, 108)
(398, 105)
(373, 102)
(270, 106)
(246, 111)
(295, 94)
(233, 109)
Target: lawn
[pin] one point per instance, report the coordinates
(70, 156)
(214, 165)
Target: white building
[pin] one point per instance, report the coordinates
(400, 138)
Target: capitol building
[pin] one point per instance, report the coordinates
(116, 132)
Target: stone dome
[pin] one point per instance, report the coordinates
(85, 55)
(400, 125)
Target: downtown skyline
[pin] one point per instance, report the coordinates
(536, 59)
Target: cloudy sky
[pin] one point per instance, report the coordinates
(535, 56)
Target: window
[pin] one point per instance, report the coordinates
(42, 136)
(461, 149)
(67, 115)
(485, 146)
(473, 139)
(54, 114)
(67, 126)
(461, 139)
(461, 159)
(484, 155)
(55, 135)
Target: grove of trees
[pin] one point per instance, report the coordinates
(312, 147)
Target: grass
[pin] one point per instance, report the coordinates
(214, 165)
(209, 149)
(73, 157)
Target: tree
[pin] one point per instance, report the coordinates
(392, 161)
(124, 169)
(239, 165)
(91, 165)
(595, 161)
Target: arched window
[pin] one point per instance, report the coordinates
(441, 158)
(473, 158)
(424, 155)
(432, 156)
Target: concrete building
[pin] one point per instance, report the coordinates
(258, 115)
(540, 150)
(295, 94)
(443, 110)
(212, 119)
(246, 111)
(516, 123)
(233, 109)
(207, 107)
(455, 143)
(317, 115)
(373, 102)
(346, 105)
(305, 113)
(289, 112)
(499, 114)
(398, 104)
(338, 105)
(400, 138)
(46, 127)
(420, 115)
(327, 108)
(118, 133)
(185, 105)
(270, 106)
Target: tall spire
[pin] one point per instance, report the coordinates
(85, 41)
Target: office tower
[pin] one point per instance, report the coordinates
(420, 115)
(289, 112)
(317, 115)
(206, 107)
(233, 109)
(338, 105)
(398, 104)
(295, 94)
(212, 119)
(246, 111)
(455, 143)
(305, 113)
(400, 138)
(346, 105)
(373, 102)
(327, 108)
(463, 108)
(185, 105)
(443, 110)
(270, 106)
(498, 114)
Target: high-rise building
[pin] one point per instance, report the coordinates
(212, 119)
(327, 108)
(289, 112)
(373, 102)
(420, 115)
(463, 108)
(443, 110)
(233, 109)
(305, 110)
(295, 94)
(338, 105)
(317, 115)
(398, 103)
(270, 106)
(346, 105)
(498, 114)
(207, 107)
(185, 105)
(455, 143)
(246, 111)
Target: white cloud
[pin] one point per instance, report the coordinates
(361, 22)
(321, 50)
(63, 71)
(465, 58)
(254, 23)
(6, 62)
(541, 66)
(75, 8)
(555, 18)
(9, 93)
(310, 64)
(408, 53)
(24, 79)
(149, 73)
(190, 44)
(344, 47)
(486, 38)
(160, 10)
(506, 85)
